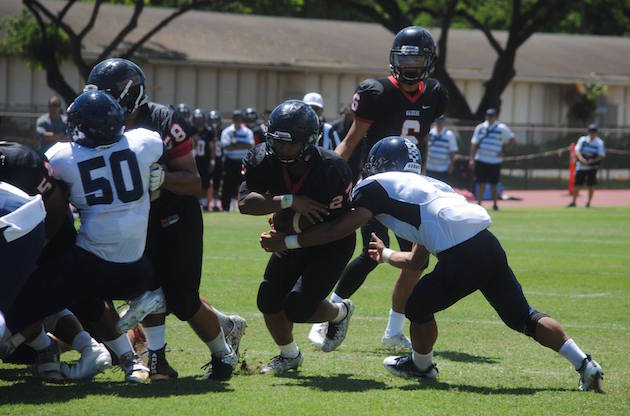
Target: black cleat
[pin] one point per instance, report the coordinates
(159, 368)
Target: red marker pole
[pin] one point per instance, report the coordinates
(572, 160)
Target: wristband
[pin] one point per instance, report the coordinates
(386, 254)
(286, 201)
(291, 241)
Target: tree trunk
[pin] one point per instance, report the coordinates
(502, 73)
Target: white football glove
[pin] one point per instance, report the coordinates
(156, 178)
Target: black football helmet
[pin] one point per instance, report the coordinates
(123, 79)
(412, 56)
(95, 119)
(214, 119)
(293, 121)
(393, 153)
(184, 110)
(250, 115)
(199, 118)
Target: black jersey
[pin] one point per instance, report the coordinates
(328, 178)
(203, 150)
(391, 111)
(26, 169)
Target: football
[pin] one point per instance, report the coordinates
(289, 222)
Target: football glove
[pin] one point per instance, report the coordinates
(156, 178)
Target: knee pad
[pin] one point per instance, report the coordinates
(299, 308)
(529, 328)
(50, 322)
(183, 305)
(268, 300)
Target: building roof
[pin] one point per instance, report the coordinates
(324, 45)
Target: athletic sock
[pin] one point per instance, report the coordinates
(573, 353)
(395, 323)
(156, 337)
(218, 346)
(422, 361)
(224, 320)
(335, 298)
(341, 313)
(81, 341)
(290, 350)
(40, 342)
(120, 345)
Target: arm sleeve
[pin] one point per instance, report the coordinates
(371, 196)
(475, 136)
(365, 102)
(452, 141)
(507, 133)
(601, 151)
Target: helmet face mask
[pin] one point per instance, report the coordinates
(412, 56)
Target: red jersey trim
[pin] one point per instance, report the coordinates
(179, 150)
(411, 98)
(363, 120)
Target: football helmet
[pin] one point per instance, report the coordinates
(250, 115)
(293, 122)
(214, 119)
(123, 79)
(199, 118)
(184, 110)
(95, 119)
(393, 153)
(412, 56)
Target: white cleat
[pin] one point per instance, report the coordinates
(396, 342)
(403, 366)
(280, 364)
(591, 375)
(238, 330)
(318, 333)
(94, 359)
(134, 368)
(337, 332)
(139, 308)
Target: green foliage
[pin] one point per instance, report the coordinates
(23, 37)
(584, 108)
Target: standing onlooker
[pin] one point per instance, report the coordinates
(442, 150)
(590, 152)
(486, 154)
(236, 140)
(329, 139)
(203, 151)
(51, 127)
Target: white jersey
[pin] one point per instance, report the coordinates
(420, 209)
(19, 212)
(441, 145)
(110, 188)
(590, 149)
(490, 140)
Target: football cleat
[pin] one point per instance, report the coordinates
(280, 364)
(238, 330)
(318, 333)
(337, 331)
(94, 359)
(139, 308)
(47, 366)
(159, 368)
(6, 349)
(135, 370)
(220, 367)
(591, 375)
(403, 366)
(394, 342)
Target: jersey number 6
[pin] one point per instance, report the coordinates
(92, 186)
(411, 131)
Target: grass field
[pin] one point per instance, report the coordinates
(573, 265)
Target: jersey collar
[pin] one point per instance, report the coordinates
(411, 98)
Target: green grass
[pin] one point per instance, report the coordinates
(573, 265)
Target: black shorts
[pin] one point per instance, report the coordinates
(175, 247)
(296, 281)
(476, 264)
(487, 172)
(588, 176)
(440, 176)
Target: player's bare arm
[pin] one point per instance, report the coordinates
(473, 151)
(357, 131)
(254, 203)
(181, 176)
(415, 259)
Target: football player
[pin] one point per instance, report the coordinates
(175, 239)
(405, 104)
(214, 193)
(470, 258)
(250, 116)
(204, 150)
(289, 171)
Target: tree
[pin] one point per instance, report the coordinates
(45, 39)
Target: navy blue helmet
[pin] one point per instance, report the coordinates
(412, 56)
(95, 119)
(393, 153)
(123, 79)
(295, 122)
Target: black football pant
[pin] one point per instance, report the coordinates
(357, 270)
(232, 179)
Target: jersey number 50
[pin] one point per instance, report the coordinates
(93, 186)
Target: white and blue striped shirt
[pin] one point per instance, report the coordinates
(490, 141)
(441, 145)
(590, 149)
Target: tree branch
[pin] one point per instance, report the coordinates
(372, 13)
(62, 12)
(90, 23)
(484, 29)
(131, 25)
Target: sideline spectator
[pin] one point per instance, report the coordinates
(51, 126)
(442, 150)
(329, 139)
(236, 140)
(589, 151)
(486, 154)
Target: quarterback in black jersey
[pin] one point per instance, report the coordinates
(403, 104)
(175, 234)
(289, 171)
